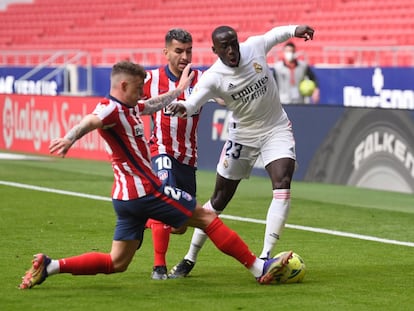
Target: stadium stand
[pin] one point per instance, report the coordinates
(369, 32)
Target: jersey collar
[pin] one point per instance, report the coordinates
(118, 101)
(170, 75)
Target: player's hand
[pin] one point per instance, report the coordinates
(186, 77)
(177, 109)
(60, 146)
(219, 101)
(305, 32)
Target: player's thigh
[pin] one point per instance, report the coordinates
(131, 219)
(170, 205)
(277, 145)
(167, 204)
(236, 160)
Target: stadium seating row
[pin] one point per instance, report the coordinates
(96, 25)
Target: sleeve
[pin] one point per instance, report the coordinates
(278, 35)
(106, 111)
(203, 91)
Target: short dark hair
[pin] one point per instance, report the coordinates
(291, 44)
(129, 68)
(221, 29)
(179, 34)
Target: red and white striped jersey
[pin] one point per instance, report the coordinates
(130, 156)
(171, 135)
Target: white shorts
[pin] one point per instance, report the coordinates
(237, 160)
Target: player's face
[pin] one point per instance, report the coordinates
(133, 90)
(226, 46)
(289, 53)
(178, 55)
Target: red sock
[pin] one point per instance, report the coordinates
(229, 242)
(160, 239)
(150, 222)
(87, 264)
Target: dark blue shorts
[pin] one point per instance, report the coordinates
(172, 172)
(168, 204)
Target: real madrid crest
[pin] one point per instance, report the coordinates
(257, 67)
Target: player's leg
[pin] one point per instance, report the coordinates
(163, 165)
(230, 243)
(236, 162)
(178, 208)
(280, 172)
(278, 154)
(160, 240)
(91, 263)
(127, 239)
(223, 192)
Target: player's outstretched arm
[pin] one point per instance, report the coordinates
(305, 32)
(157, 103)
(178, 109)
(62, 145)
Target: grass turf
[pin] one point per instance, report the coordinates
(343, 273)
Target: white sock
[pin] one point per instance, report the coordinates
(257, 268)
(275, 221)
(199, 237)
(53, 267)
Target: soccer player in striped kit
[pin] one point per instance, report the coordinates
(137, 192)
(173, 143)
(259, 127)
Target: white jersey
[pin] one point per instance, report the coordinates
(248, 90)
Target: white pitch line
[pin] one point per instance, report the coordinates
(245, 219)
(51, 190)
(327, 231)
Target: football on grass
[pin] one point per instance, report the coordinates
(294, 272)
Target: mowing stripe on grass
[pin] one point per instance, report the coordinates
(245, 219)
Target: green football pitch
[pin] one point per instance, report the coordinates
(358, 246)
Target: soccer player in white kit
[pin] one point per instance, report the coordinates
(260, 127)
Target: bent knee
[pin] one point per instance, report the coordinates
(179, 230)
(284, 183)
(121, 267)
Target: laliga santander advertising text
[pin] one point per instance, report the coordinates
(28, 124)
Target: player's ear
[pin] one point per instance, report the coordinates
(165, 51)
(214, 49)
(124, 85)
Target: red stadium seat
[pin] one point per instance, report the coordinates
(96, 25)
